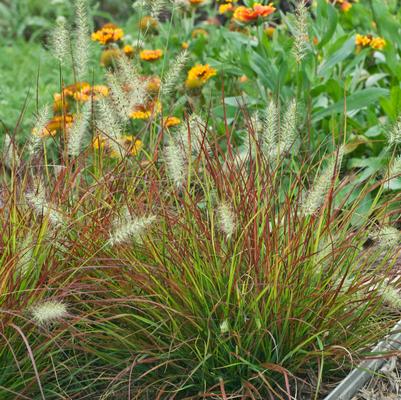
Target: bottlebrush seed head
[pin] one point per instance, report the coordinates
(175, 163)
(391, 296)
(49, 311)
(387, 237)
(226, 219)
(321, 186)
(127, 228)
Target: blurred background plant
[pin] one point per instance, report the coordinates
(31, 19)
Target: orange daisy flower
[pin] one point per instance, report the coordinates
(107, 34)
(150, 55)
(245, 14)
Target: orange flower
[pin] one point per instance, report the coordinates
(199, 32)
(184, 45)
(196, 2)
(199, 75)
(264, 11)
(97, 92)
(70, 90)
(171, 121)
(269, 31)
(60, 104)
(148, 23)
(82, 91)
(59, 122)
(145, 111)
(244, 14)
(56, 124)
(150, 55)
(345, 6)
(107, 34)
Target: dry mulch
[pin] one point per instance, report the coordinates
(386, 386)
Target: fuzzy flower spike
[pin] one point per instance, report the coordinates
(48, 312)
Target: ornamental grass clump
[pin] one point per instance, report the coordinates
(237, 297)
(221, 261)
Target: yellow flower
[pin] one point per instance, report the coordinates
(136, 147)
(184, 45)
(199, 75)
(107, 34)
(132, 147)
(171, 121)
(99, 142)
(226, 8)
(139, 114)
(145, 111)
(377, 43)
(100, 91)
(128, 50)
(362, 40)
(150, 55)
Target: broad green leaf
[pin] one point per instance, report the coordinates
(331, 23)
(354, 102)
(392, 105)
(347, 49)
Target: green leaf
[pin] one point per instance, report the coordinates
(374, 131)
(347, 49)
(237, 101)
(392, 105)
(265, 70)
(355, 102)
(331, 24)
